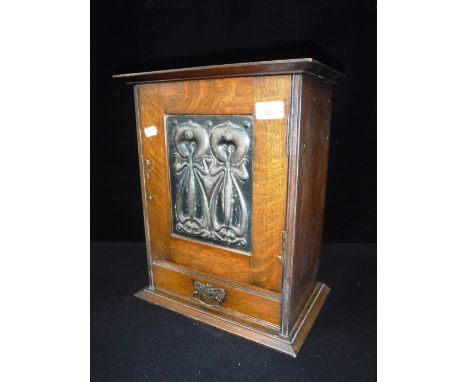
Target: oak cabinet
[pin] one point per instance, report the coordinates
(233, 164)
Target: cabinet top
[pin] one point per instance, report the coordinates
(291, 66)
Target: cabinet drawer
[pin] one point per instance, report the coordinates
(212, 293)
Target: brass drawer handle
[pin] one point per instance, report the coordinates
(207, 293)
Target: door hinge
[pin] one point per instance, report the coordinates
(288, 127)
(282, 256)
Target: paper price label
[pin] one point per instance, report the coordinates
(151, 131)
(269, 110)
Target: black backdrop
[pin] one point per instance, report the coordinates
(151, 34)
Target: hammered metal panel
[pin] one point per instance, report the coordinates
(210, 166)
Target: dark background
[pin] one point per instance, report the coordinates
(130, 36)
(132, 340)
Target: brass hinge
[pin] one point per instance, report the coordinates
(283, 247)
(287, 135)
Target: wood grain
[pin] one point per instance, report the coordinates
(268, 301)
(141, 165)
(237, 300)
(211, 259)
(251, 331)
(222, 96)
(270, 184)
(309, 159)
(155, 172)
(217, 96)
(276, 67)
(308, 316)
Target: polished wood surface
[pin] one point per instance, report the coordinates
(270, 174)
(154, 172)
(272, 294)
(222, 262)
(263, 266)
(265, 307)
(307, 66)
(312, 179)
(261, 335)
(309, 159)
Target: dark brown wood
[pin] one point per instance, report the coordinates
(309, 159)
(143, 190)
(293, 130)
(251, 331)
(301, 65)
(220, 96)
(251, 302)
(270, 294)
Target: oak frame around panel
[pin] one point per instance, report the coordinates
(222, 96)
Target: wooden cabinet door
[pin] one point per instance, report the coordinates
(214, 177)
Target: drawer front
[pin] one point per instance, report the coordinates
(215, 294)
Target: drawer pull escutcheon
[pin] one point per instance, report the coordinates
(207, 293)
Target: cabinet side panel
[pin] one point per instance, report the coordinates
(312, 163)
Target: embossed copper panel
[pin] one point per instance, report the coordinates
(210, 165)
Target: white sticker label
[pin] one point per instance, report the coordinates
(269, 110)
(151, 131)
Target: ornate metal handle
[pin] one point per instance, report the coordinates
(207, 293)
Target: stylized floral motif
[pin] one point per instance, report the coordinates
(229, 144)
(191, 143)
(209, 174)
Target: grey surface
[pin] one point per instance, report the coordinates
(132, 340)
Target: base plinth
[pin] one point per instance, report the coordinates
(288, 345)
